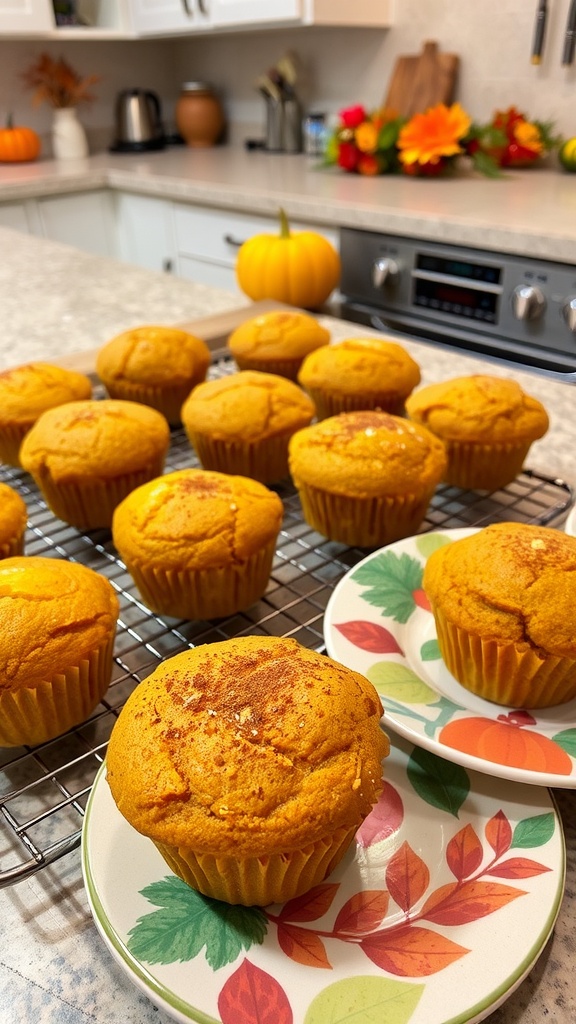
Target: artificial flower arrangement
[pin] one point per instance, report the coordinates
(55, 82)
(430, 143)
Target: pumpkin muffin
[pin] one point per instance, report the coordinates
(199, 545)
(276, 342)
(13, 522)
(57, 629)
(359, 373)
(87, 456)
(250, 764)
(242, 423)
(504, 603)
(157, 366)
(488, 425)
(27, 391)
(365, 478)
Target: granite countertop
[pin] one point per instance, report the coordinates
(530, 211)
(55, 968)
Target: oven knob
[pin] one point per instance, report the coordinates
(384, 271)
(569, 313)
(528, 302)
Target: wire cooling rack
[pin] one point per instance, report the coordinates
(44, 790)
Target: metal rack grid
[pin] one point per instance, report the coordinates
(44, 790)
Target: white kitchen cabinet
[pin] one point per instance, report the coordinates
(25, 16)
(105, 19)
(19, 216)
(207, 241)
(145, 233)
(156, 17)
(84, 220)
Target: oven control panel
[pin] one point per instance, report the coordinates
(488, 301)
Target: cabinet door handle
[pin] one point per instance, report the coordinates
(187, 8)
(202, 7)
(230, 240)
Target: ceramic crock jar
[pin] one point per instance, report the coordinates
(199, 115)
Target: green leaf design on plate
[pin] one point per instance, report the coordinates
(426, 543)
(187, 922)
(535, 831)
(430, 651)
(392, 580)
(567, 740)
(365, 999)
(400, 683)
(438, 782)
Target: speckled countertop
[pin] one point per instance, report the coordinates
(531, 212)
(54, 967)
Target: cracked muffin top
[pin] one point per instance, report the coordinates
(104, 439)
(282, 334)
(511, 581)
(361, 364)
(367, 453)
(254, 746)
(480, 409)
(247, 406)
(153, 354)
(196, 518)
(28, 390)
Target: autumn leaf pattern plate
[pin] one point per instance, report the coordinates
(378, 622)
(435, 916)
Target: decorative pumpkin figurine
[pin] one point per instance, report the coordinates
(18, 144)
(300, 268)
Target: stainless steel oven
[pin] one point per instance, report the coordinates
(520, 309)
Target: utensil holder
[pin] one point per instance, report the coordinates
(274, 125)
(291, 126)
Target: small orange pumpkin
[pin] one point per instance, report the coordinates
(18, 144)
(300, 268)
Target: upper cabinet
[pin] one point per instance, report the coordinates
(154, 17)
(127, 19)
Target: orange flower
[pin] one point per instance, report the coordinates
(366, 137)
(528, 135)
(428, 137)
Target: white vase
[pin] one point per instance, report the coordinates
(69, 140)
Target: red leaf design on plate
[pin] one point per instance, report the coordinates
(412, 952)
(311, 906)
(517, 867)
(363, 912)
(407, 877)
(457, 903)
(302, 946)
(369, 636)
(384, 819)
(251, 996)
(498, 833)
(464, 853)
(421, 599)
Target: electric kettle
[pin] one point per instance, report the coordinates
(138, 122)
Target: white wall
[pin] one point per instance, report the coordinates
(492, 37)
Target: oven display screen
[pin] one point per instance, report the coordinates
(459, 268)
(444, 297)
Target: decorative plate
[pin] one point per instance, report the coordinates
(378, 622)
(435, 916)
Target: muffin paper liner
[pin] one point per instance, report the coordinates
(259, 881)
(484, 467)
(205, 593)
(363, 522)
(505, 673)
(281, 367)
(11, 438)
(90, 505)
(14, 546)
(167, 400)
(32, 715)
(266, 460)
(330, 403)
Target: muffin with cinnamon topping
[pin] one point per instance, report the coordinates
(250, 764)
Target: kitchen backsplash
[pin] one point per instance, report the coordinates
(339, 66)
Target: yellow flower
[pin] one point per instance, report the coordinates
(528, 135)
(428, 137)
(366, 137)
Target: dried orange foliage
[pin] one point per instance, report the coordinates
(55, 82)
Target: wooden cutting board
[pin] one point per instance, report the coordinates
(422, 80)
